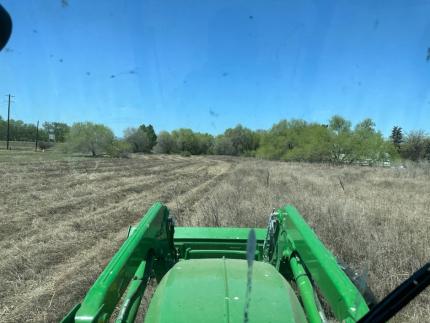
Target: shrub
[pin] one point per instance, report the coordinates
(43, 145)
(119, 149)
(139, 140)
(88, 137)
(223, 146)
(185, 153)
(165, 143)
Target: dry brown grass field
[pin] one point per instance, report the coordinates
(62, 219)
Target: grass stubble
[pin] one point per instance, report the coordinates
(61, 220)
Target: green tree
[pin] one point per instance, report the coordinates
(59, 129)
(415, 145)
(308, 142)
(88, 137)
(223, 146)
(339, 125)
(367, 143)
(367, 126)
(341, 139)
(276, 142)
(138, 139)
(185, 140)
(165, 143)
(397, 137)
(427, 148)
(20, 131)
(119, 149)
(205, 143)
(242, 139)
(296, 140)
(152, 137)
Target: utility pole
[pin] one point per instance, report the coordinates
(8, 121)
(37, 135)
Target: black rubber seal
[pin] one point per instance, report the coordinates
(5, 27)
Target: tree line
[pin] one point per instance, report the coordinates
(298, 140)
(338, 141)
(21, 131)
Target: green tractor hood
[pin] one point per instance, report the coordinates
(213, 290)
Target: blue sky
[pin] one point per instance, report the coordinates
(209, 65)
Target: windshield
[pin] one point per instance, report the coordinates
(222, 110)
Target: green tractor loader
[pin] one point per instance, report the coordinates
(282, 273)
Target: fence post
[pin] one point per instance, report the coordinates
(37, 135)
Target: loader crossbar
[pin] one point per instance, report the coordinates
(195, 242)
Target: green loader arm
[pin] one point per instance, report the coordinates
(302, 257)
(149, 245)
